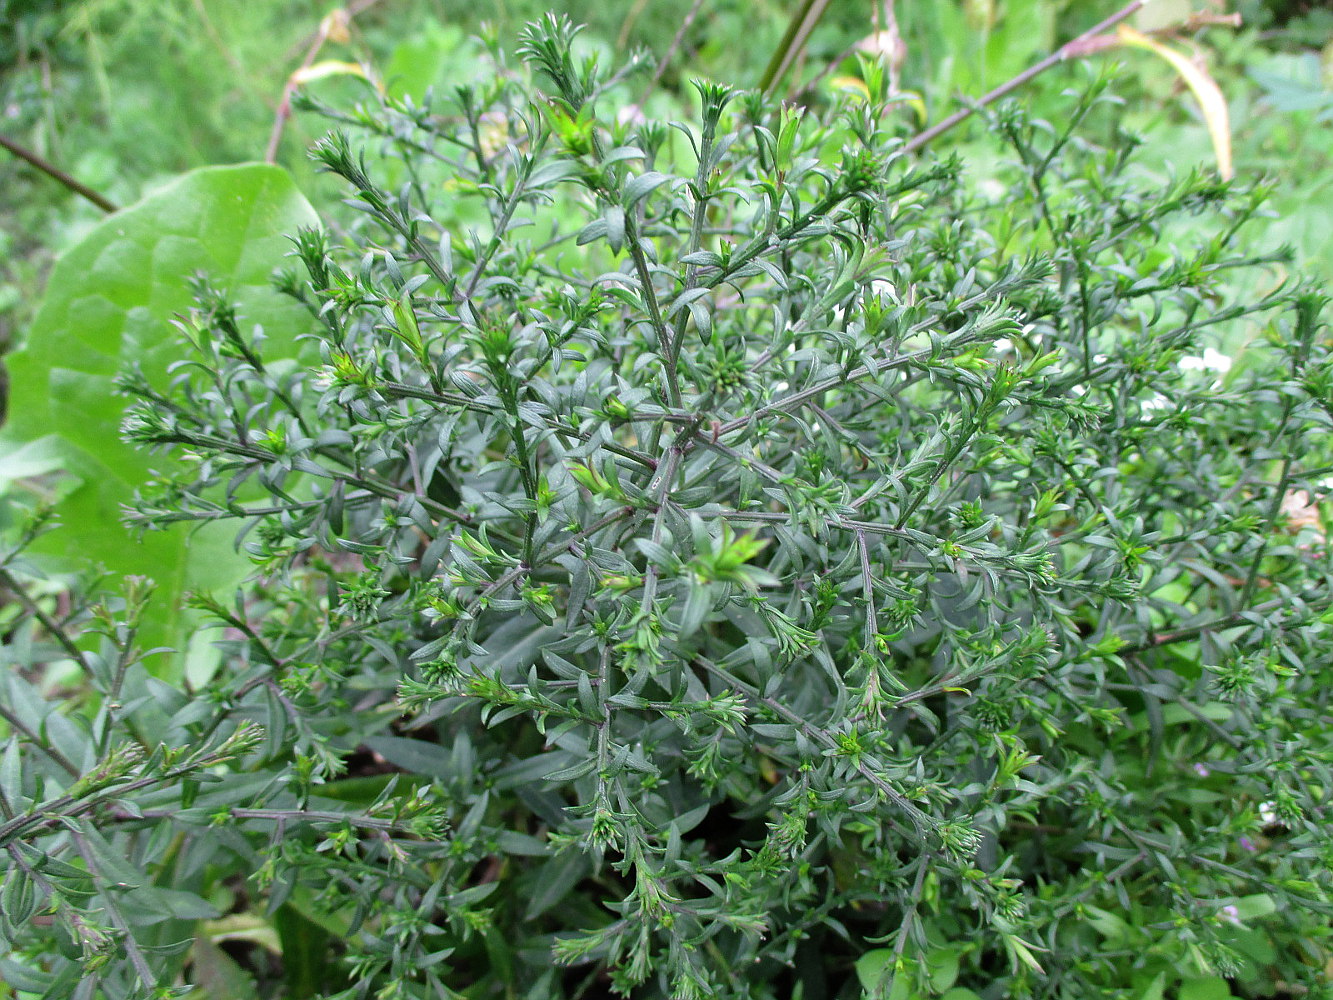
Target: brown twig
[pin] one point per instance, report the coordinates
(353, 10)
(1074, 48)
(793, 42)
(336, 26)
(285, 105)
(55, 173)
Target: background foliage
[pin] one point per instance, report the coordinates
(126, 93)
(108, 310)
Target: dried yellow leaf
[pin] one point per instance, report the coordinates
(1211, 102)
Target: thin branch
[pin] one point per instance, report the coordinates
(521, 569)
(910, 918)
(35, 740)
(112, 907)
(52, 626)
(793, 42)
(353, 10)
(1240, 619)
(667, 474)
(58, 175)
(1072, 49)
(921, 821)
(285, 105)
(627, 25)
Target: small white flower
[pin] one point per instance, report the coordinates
(1212, 361)
(1201, 770)
(885, 289)
(1231, 915)
(1267, 813)
(1302, 511)
(631, 114)
(886, 44)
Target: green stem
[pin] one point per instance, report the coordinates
(793, 41)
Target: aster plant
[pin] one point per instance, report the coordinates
(744, 558)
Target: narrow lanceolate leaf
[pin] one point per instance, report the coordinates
(11, 778)
(697, 604)
(642, 186)
(327, 68)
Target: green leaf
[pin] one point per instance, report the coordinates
(111, 867)
(1256, 906)
(1208, 988)
(1156, 989)
(615, 227)
(500, 952)
(942, 966)
(1255, 945)
(416, 756)
(248, 927)
(110, 301)
(873, 967)
(1107, 924)
(431, 55)
(362, 791)
(31, 461)
(216, 975)
(151, 905)
(11, 778)
(551, 174)
(643, 185)
(305, 951)
(697, 605)
(554, 880)
(23, 977)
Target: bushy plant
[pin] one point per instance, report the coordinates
(758, 562)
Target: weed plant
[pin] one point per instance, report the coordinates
(755, 563)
